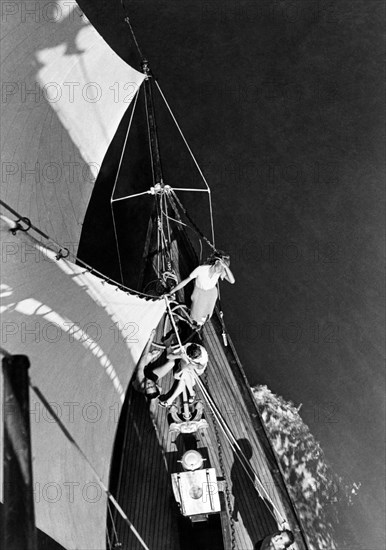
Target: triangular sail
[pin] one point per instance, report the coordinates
(64, 93)
(83, 338)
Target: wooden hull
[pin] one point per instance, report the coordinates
(147, 453)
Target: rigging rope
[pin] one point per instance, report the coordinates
(192, 155)
(76, 259)
(177, 221)
(116, 181)
(222, 469)
(127, 20)
(194, 225)
(228, 433)
(158, 238)
(174, 325)
(238, 451)
(84, 456)
(115, 533)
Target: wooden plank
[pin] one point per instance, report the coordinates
(254, 519)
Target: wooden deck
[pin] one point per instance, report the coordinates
(146, 455)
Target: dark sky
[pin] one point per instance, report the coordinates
(283, 105)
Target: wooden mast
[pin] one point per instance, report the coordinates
(152, 127)
(158, 183)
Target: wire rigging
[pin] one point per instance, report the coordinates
(115, 533)
(252, 475)
(76, 259)
(192, 155)
(193, 223)
(116, 181)
(223, 475)
(238, 451)
(127, 21)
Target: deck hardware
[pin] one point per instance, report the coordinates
(19, 227)
(60, 254)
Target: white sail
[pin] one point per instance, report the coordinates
(64, 92)
(83, 338)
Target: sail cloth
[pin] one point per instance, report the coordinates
(83, 339)
(64, 92)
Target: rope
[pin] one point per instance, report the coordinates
(222, 469)
(167, 239)
(83, 455)
(115, 533)
(127, 20)
(116, 181)
(177, 221)
(163, 197)
(158, 239)
(20, 217)
(227, 432)
(192, 155)
(165, 248)
(224, 331)
(174, 325)
(194, 225)
(238, 451)
(76, 259)
(109, 543)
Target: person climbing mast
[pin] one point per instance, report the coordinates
(205, 291)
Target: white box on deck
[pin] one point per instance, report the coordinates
(197, 492)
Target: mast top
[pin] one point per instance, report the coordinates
(145, 67)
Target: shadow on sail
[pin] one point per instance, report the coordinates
(83, 339)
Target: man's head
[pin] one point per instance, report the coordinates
(193, 351)
(282, 539)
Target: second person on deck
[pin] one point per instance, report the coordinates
(205, 292)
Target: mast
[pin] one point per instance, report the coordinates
(152, 127)
(156, 166)
(160, 255)
(158, 246)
